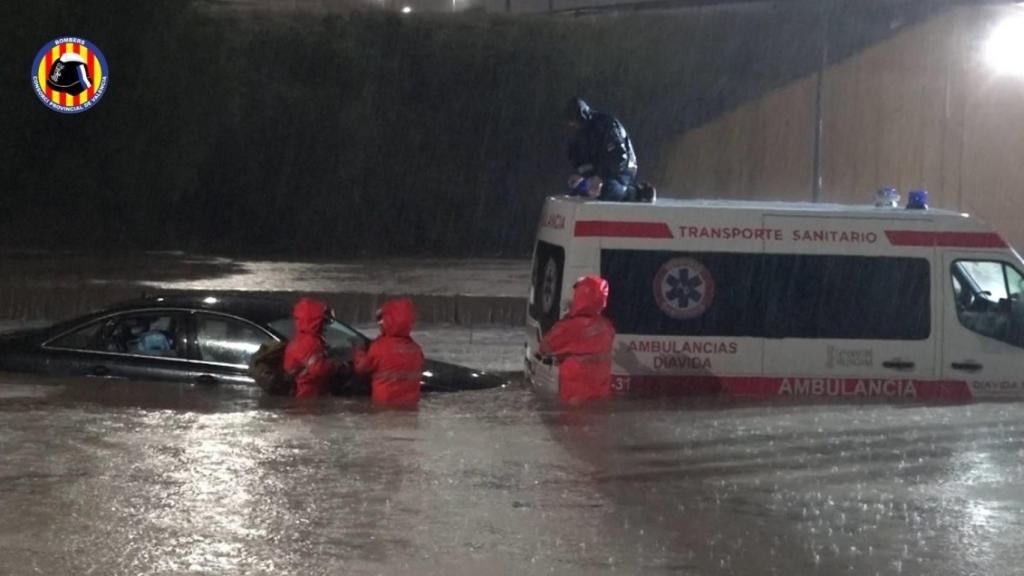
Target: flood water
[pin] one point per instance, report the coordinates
(134, 478)
(56, 285)
(181, 271)
(109, 477)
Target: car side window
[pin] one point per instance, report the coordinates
(84, 338)
(226, 340)
(146, 334)
(987, 296)
(341, 338)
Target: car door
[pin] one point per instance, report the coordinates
(137, 345)
(983, 343)
(223, 346)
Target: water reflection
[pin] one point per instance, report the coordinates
(801, 490)
(211, 477)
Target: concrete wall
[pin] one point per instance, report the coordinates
(920, 110)
(762, 150)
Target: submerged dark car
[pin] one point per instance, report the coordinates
(190, 339)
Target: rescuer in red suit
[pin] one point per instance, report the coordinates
(582, 343)
(306, 355)
(394, 361)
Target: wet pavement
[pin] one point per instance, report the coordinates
(111, 477)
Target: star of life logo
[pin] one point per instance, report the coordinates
(683, 288)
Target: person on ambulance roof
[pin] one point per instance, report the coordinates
(394, 361)
(582, 343)
(305, 357)
(602, 156)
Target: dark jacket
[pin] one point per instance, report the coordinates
(394, 361)
(601, 146)
(582, 342)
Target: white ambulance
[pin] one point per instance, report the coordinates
(773, 299)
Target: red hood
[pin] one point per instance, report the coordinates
(397, 317)
(309, 316)
(589, 296)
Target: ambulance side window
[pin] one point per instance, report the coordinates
(1015, 283)
(685, 293)
(768, 295)
(848, 297)
(987, 296)
(548, 268)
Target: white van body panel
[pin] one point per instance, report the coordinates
(665, 253)
(991, 368)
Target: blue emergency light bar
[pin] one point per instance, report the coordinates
(917, 200)
(887, 197)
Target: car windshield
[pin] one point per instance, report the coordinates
(341, 337)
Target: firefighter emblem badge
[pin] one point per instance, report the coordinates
(69, 75)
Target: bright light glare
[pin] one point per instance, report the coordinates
(210, 300)
(1004, 51)
(406, 9)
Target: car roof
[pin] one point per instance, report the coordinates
(259, 309)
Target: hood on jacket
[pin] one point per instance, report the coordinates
(589, 296)
(309, 316)
(397, 317)
(576, 110)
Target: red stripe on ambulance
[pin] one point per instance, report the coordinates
(613, 229)
(945, 239)
(758, 387)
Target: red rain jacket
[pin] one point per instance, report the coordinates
(306, 353)
(394, 361)
(582, 342)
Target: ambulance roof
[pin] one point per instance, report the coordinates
(616, 209)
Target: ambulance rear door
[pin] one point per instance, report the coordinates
(549, 294)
